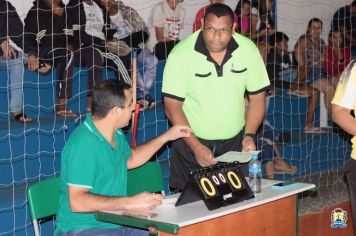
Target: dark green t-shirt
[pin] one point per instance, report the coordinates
(89, 161)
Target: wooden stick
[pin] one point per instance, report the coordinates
(135, 115)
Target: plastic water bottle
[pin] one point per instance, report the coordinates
(255, 174)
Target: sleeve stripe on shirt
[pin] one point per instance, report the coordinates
(80, 186)
(173, 96)
(260, 90)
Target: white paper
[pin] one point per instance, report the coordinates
(232, 156)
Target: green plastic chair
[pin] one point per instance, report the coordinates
(43, 198)
(145, 178)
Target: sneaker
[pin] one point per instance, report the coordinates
(151, 101)
(314, 130)
(143, 104)
(297, 93)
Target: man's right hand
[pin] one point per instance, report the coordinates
(7, 51)
(204, 156)
(33, 64)
(144, 202)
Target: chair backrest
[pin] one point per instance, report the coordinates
(145, 178)
(43, 198)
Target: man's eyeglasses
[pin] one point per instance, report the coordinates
(213, 30)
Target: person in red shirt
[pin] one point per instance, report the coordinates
(199, 18)
(337, 57)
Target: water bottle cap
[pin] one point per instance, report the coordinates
(254, 157)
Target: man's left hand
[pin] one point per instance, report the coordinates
(7, 51)
(248, 144)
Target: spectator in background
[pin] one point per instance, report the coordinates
(343, 103)
(168, 19)
(242, 12)
(267, 139)
(13, 56)
(337, 57)
(279, 66)
(271, 157)
(344, 19)
(91, 27)
(134, 32)
(262, 25)
(199, 18)
(309, 53)
(283, 75)
(54, 43)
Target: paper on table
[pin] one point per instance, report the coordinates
(232, 156)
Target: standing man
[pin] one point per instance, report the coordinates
(344, 101)
(13, 55)
(205, 79)
(95, 161)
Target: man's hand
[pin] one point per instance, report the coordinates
(144, 202)
(45, 68)
(204, 156)
(111, 6)
(248, 144)
(33, 64)
(178, 131)
(7, 50)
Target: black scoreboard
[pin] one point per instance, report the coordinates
(219, 185)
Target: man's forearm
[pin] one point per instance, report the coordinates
(143, 153)
(88, 202)
(255, 112)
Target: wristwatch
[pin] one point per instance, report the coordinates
(251, 135)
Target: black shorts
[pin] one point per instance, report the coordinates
(183, 160)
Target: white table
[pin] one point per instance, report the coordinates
(271, 212)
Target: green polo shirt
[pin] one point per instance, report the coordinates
(89, 160)
(213, 95)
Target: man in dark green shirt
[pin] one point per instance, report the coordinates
(95, 161)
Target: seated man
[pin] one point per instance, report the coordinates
(92, 27)
(167, 18)
(132, 30)
(12, 57)
(95, 161)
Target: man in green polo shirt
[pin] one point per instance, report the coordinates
(94, 166)
(205, 79)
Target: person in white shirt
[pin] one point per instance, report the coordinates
(168, 19)
(132, 30)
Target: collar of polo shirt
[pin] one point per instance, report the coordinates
(201, 48)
